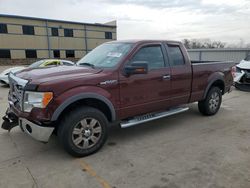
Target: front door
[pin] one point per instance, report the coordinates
(144, 93)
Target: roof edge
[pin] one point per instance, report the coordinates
(55, 20)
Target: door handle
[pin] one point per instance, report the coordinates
(166, 77)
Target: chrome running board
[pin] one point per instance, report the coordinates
(152, 116)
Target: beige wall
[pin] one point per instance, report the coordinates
(40, 31)
(61, 32)
(17, 54)
(22, 21)
(98, 28)
(95, 34)
(65, 25)
(23, 42)
(79, 54)
(67, 43)
(63, 54)
(42, 54)
(92, 43)
(79, 33)
(17, 42)
(17, 29)
(114, 36)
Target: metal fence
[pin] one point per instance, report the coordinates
(224, 54)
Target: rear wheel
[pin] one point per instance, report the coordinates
(211, 104)
(83, 131)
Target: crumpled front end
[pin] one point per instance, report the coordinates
(242, 76)
(242, 79)
(16, 116)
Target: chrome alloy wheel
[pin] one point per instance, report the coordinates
(214, 101)
(86, 133)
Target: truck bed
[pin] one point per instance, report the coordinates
(203, 74)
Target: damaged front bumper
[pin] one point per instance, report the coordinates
(15, 116)
(242, 80)
(10, 120)
(242, 76)
(38, 132)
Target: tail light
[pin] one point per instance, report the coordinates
(233, 71)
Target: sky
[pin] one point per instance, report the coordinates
(224, 20)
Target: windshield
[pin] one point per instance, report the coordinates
(36, 64)
(106, 55)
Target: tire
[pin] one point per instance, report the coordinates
(83, 131)
(211, 104)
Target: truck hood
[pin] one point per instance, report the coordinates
(46, 74)
(244, 64)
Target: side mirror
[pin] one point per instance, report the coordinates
(136, 67)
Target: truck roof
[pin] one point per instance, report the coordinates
(133, 41)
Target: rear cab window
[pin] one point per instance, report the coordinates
(175, 55)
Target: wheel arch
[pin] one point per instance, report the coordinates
(90, 99)
(216, 80)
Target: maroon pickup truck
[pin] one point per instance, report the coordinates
(120, 82)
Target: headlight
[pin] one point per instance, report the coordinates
(36, 99)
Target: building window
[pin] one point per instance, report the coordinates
(5, 54)
(70, 53)
(108, 35)
(54, 32)
(30, 54)
(56, 53)
(28, 30)
(3, 28)
(68, 32)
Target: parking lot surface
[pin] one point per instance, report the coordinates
(185, 150)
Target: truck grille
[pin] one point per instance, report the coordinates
(16, 91)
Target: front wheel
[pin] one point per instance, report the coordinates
(83, 131)
(211, 104)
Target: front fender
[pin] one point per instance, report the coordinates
(76, 94)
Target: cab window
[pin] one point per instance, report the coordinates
(152, 55)
(175, 55)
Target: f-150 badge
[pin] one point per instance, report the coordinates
(108, 82)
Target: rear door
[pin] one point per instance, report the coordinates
(143, 93)
(181, 74)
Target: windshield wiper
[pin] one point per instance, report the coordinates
(88, 64)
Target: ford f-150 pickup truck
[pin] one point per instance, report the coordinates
(119, 82)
